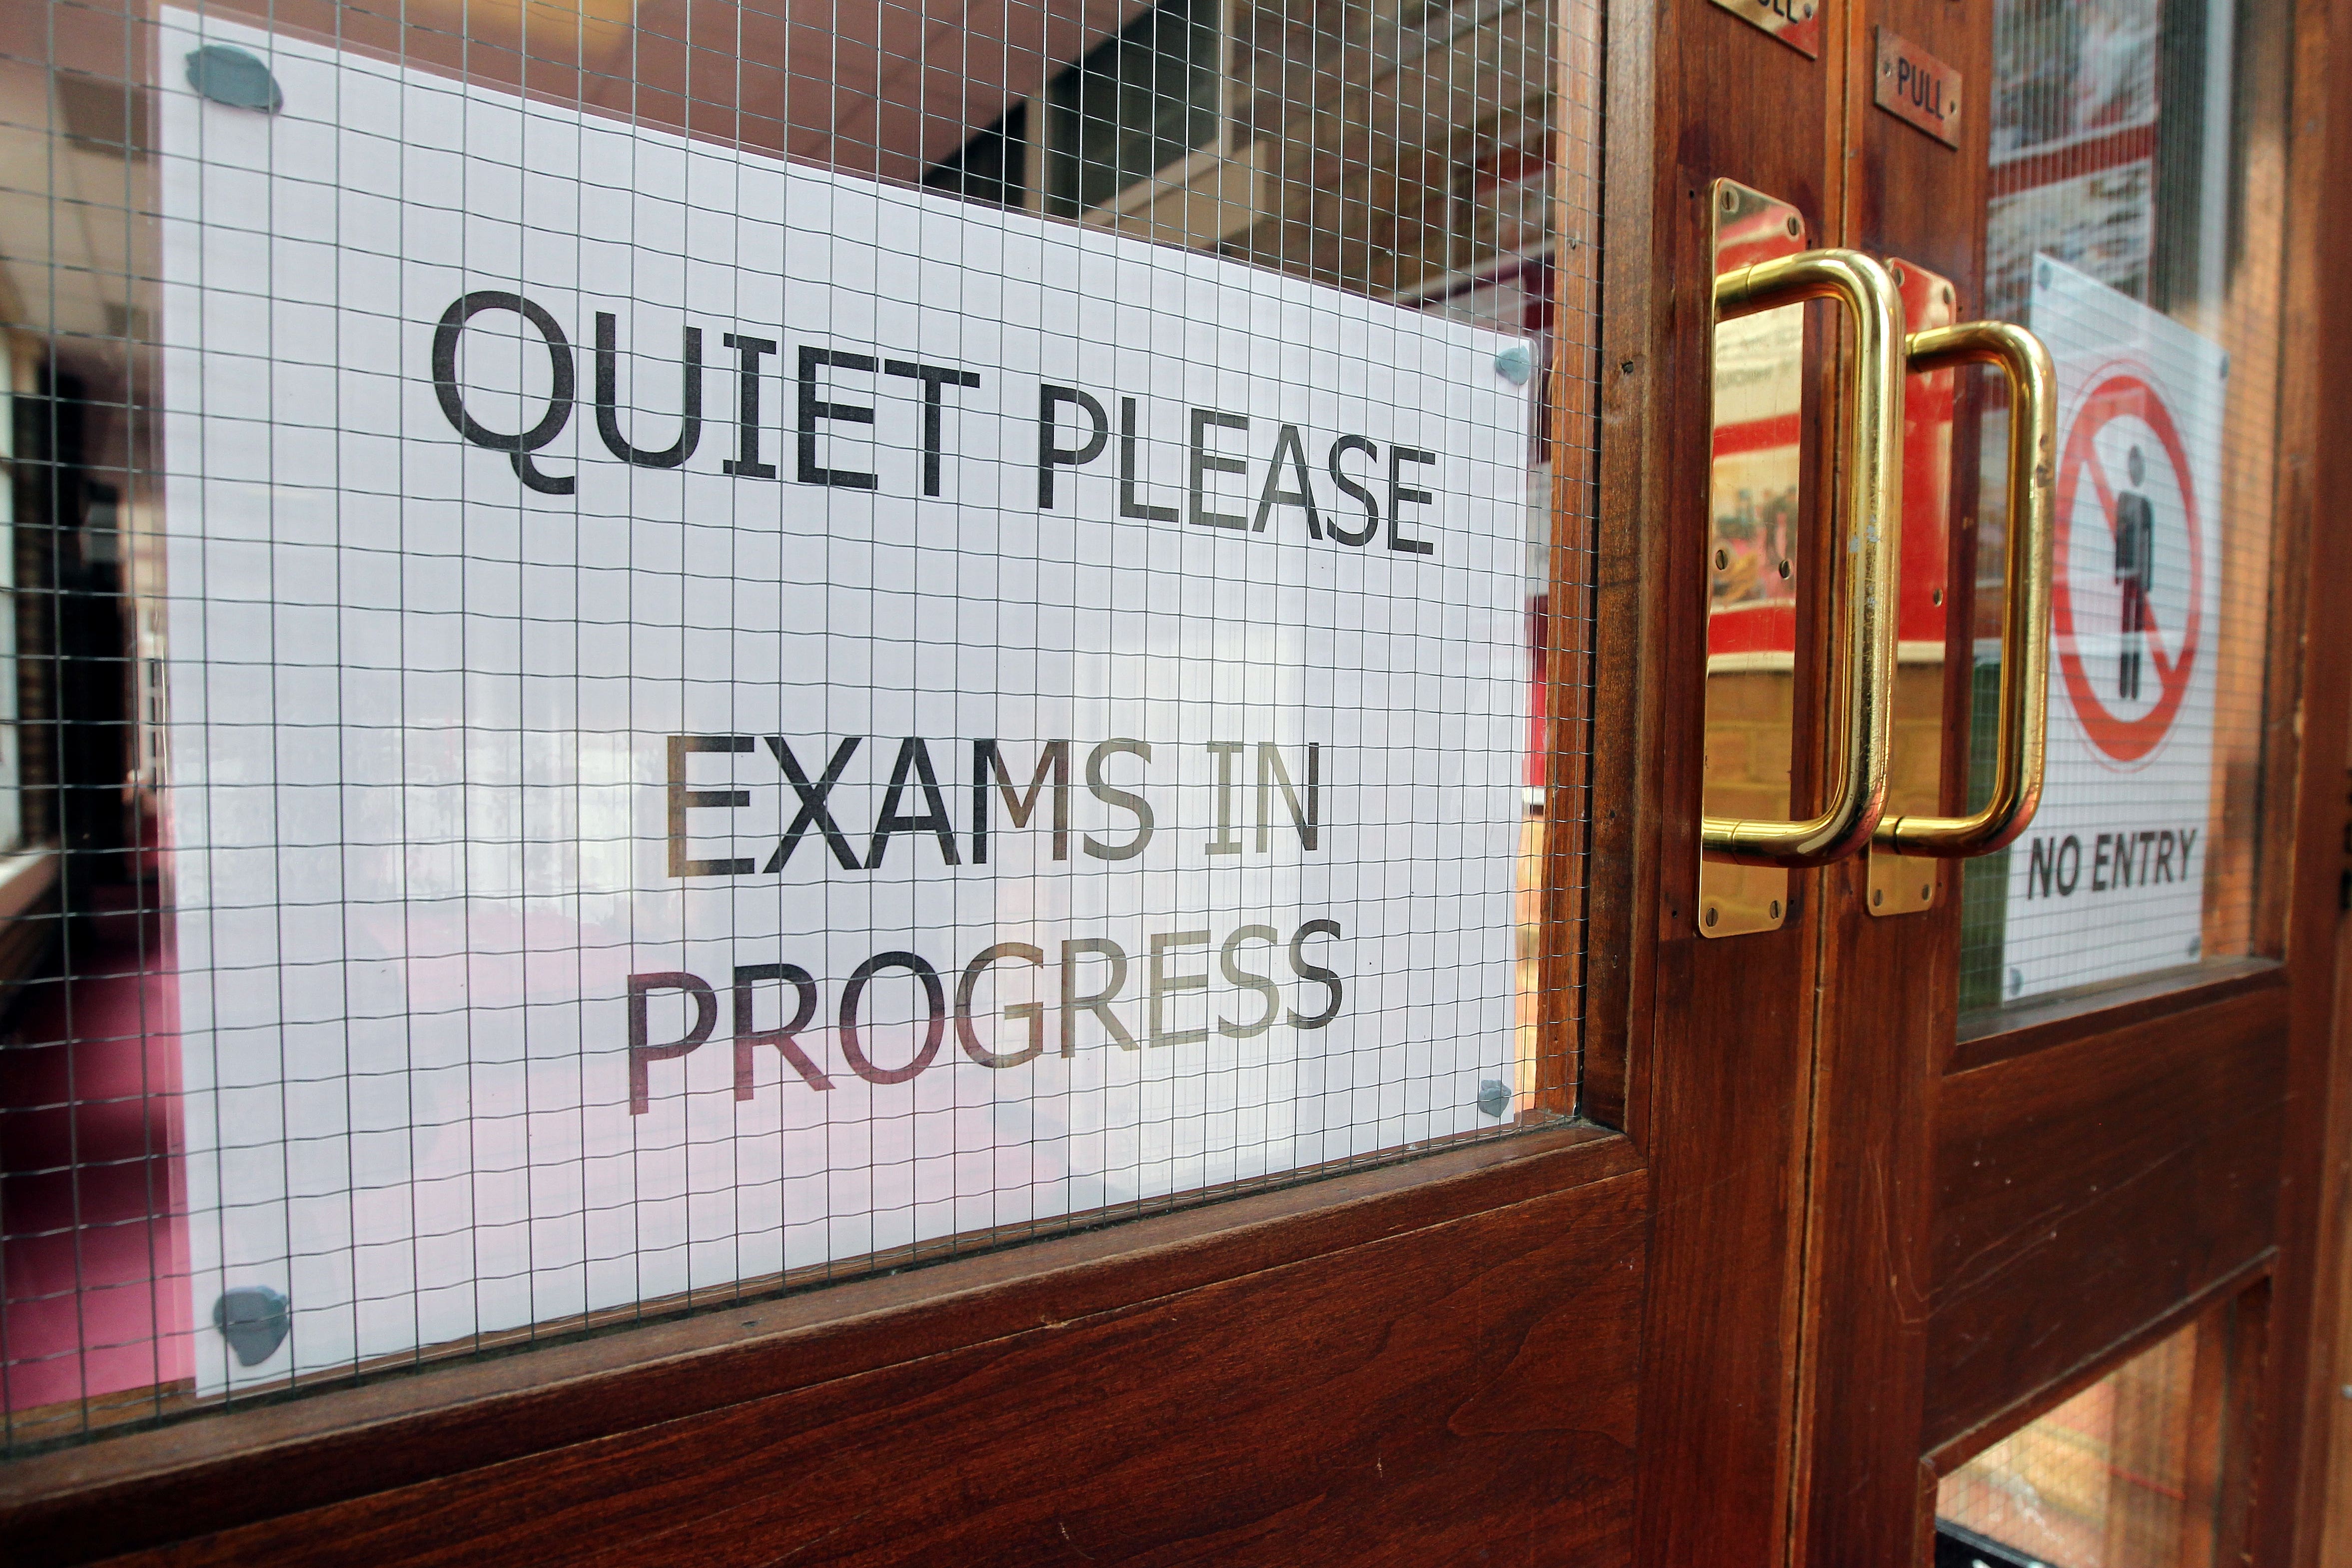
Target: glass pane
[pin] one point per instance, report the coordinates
(677, 652)
(2124, 1474)
(2137, 225)
(1134, 106)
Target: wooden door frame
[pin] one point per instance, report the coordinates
(1894, 1108)
(646, 1420)
(2298, 1393)
(1704, 1091)
(411, 1465)
(2234, 1083)
(1509, 1280)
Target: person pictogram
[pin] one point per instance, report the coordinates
(2157, 642)
(2134, 520)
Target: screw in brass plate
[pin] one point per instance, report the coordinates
(1877, 897)
(1784, 571)
(1776, 909)
(1710, 916)
(1927, 889)
(1722, 558)
(1795, 228)
(1936, 596)
(1730, 199)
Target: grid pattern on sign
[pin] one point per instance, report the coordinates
(665, 651)
(2137, 225)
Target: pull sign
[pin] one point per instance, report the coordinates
(1916, 87)
(1796, 23)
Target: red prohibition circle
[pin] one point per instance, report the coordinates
(2125, 740)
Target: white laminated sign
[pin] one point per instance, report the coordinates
(725, 717)
(2110, 878)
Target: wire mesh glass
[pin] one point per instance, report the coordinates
(666, 651)
(2126, 1474)
(2137, 224)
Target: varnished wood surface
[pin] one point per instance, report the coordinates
(1889, 985)
(197, 1478)
(1718, 1081)
(1570, 422)
(2231, 1341)
(2329, 1429)
(1461, 1393)
(1621, 828)
(2015, 1031)
(1391, 1368)
(2087, 1191)
(2248, 1289)
(2315, 464)
(2115, 1159)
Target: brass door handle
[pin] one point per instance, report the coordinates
(2026, 604)
(1862, 661)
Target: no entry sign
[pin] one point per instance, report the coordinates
(2127, 718)
(2110, 880)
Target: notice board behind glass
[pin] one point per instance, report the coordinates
(668, 678)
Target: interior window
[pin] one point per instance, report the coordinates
(2126, 1473)
(1132, 108)
(816, 389)
(2137, 226)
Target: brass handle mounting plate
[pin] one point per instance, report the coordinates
(2024, 690)
(1897, 884)
(1861, 656)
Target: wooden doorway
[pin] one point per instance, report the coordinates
(1807, 1204)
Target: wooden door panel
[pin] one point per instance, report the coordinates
(2111, 1162)
(2089, 1190)
(1434, 1360)
(1869, 1244)
(1888, 988)
(1462, 1392)
(158, 1487)
(1715, 1077)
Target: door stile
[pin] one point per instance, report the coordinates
(1889, 987)
(2316, 260)
(2299, 1391)
(1719, 1087)
(1566, 642)
(1635, 392)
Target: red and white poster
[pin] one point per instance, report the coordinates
(2110, 878)
(2073, 143)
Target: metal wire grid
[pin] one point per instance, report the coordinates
(2108, 1479)
(2137, 225)
(1444, 158)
